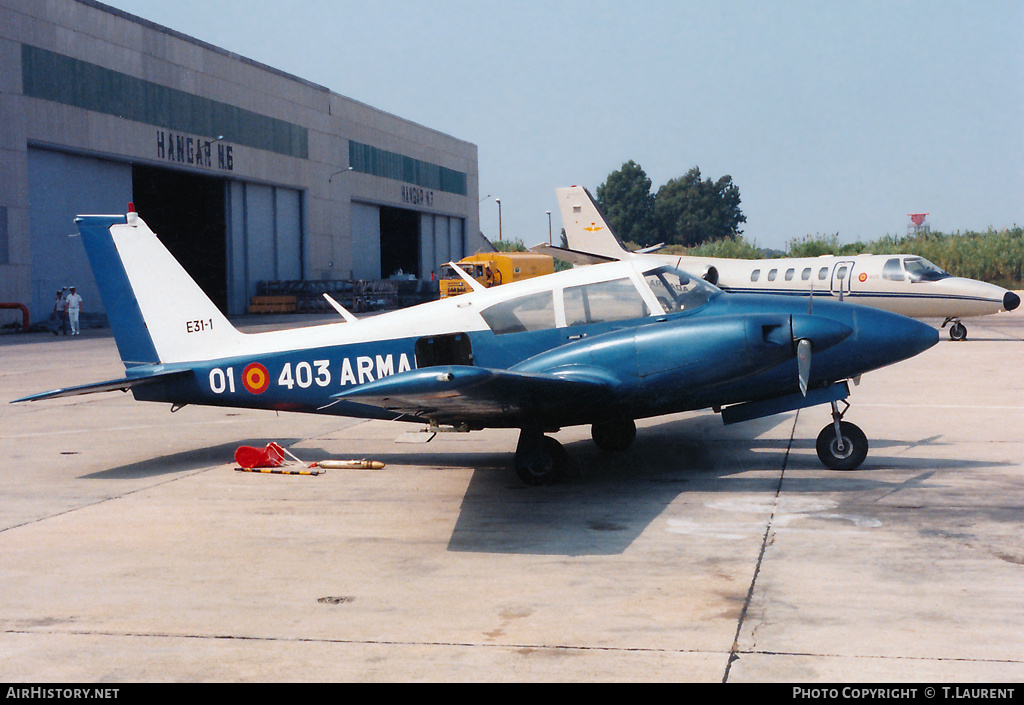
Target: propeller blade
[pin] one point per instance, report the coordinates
(803, 360)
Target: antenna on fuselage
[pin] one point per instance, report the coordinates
(340, 309)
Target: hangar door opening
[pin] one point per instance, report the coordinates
(187, 213)
(387, 239)
(399, 242)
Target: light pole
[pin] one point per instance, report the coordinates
(498, 201)
(351, 168)
(549, 226)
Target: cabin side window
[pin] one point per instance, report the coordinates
(806, 274)
(525, 313)
(823, 273)
(616, 300)
(755, 275)
(772, 274)
(892, 270)
(790, 273)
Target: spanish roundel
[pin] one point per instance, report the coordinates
(863, 277)
(255, 378)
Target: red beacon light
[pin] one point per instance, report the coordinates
(133, 217)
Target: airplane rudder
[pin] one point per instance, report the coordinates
(134, 343)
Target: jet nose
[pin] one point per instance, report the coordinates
(1010, 301)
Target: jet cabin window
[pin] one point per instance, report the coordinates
(525, 313)
(616, 300)
(921, 270)
(678, 291)
(892, 270)
(806, 274)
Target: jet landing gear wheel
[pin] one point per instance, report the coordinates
(613, 435)
(540, 459)
(957, 331)
(845, 451)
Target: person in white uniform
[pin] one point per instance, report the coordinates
(74, 308)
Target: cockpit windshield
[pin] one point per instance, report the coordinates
(678, 291)
(921, 270)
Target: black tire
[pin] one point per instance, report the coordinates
(542, 468)
(855, 447)
(614, 435)
(958, 331)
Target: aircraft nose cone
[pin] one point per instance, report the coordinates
(1010, 301)
(918, 336)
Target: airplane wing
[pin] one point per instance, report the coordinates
(111, 386)
(460, 393)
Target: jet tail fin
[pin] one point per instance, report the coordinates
(586, 229)
(157, 312)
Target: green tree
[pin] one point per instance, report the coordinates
(689, 211)
(626, 200)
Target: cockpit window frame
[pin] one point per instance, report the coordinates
(933, 272)
(710, 289)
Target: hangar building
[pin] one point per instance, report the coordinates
(246, 173)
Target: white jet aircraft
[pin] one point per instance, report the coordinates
(904, 284)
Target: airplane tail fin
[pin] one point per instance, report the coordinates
(157, 312)
(586, 229)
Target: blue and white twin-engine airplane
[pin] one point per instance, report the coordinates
(602, 345)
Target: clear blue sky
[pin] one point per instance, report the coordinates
(830, 116)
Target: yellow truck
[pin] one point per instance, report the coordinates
(494, 268)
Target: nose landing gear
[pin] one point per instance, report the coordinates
(841, 445)
(957, 331)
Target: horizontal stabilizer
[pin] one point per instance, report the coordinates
(465, 393)
(113, 385)
(649, 250)
(571, 256)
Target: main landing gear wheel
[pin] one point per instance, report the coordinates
(845, 451)
(958, 331)
(613, 435)
(540, 459)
